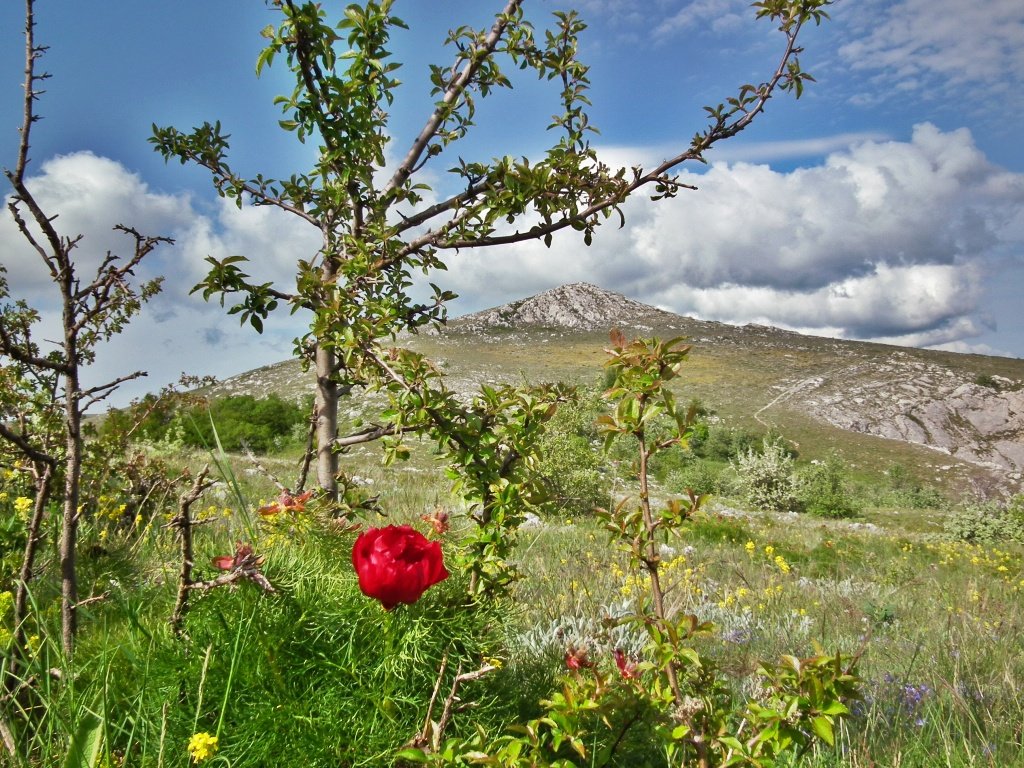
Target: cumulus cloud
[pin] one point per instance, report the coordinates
(177, 332)
(886, 240)
(90, 195)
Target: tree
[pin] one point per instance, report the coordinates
(92, 311)
(376, 226)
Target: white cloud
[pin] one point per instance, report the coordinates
(938, 48)
(887, 240)
(90, 195)
(177, 332)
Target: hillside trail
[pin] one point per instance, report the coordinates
(811, 382)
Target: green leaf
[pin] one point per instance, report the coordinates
(84, 750)
(413, 755)
(823, 729)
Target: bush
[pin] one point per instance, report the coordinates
(261, 424)
(906, 491)
(697, 475)
(988, 522)
(767, 479)
(986, 380)
(718, 442)
(573, 470)
(825, 489)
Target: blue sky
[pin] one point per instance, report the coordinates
(887, 204)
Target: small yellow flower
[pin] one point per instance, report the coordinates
(750, 547)
(22, 505)
(202, 746)
(769, 550)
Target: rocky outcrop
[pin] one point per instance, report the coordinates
(576, 306)
(920, 402)
(886, 392)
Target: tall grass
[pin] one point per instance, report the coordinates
(318, 675)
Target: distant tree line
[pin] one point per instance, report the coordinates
(237, 422)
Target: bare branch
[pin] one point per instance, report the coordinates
(103, 391)
(184, 523)
(25, 446)
(451, 96)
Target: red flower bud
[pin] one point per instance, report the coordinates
(439, 521)
(397, 564)
(627, 667)
(576, 658)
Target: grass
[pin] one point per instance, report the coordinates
(935, 621)
(319, 675)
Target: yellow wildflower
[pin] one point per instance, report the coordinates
(202, 746)
(750, 547)
(22, 505)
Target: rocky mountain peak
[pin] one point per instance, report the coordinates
(575, 306)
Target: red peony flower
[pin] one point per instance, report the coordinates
(397, 564)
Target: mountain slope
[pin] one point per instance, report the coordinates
(964, 413)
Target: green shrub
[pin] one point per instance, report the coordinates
(697, 475)
(986, 380)
(825, 489)
(262, 424)
(988, 521)
(573, 472)
(717, 442)
(907, 491)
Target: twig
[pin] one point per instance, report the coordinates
(93, 599)
(241, 572)
(429, 738)
(270, 475)
(307, 456)
(183, 522)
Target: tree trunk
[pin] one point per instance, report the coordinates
(69, 523)
(326, 421)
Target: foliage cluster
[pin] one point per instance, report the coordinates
(767, 478)
(242, 422)
(988, 522)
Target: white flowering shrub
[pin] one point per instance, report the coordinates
(767, 479)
